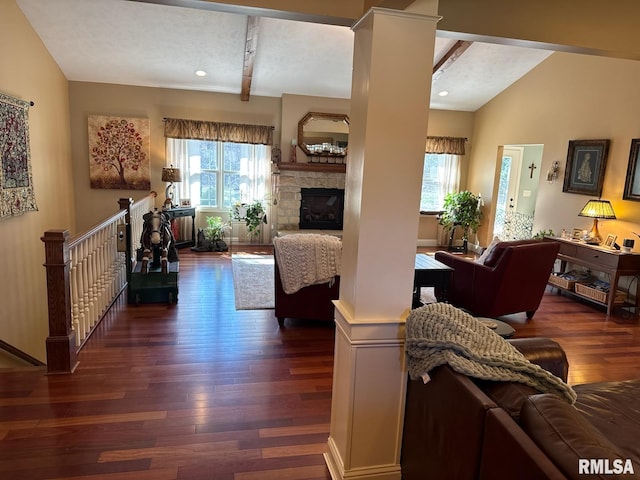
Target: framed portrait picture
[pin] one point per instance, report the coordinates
(610, 240)
(185, 202)
(577, 234)
(586, 162)
(632, 183)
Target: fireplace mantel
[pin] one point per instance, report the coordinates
(313, 167)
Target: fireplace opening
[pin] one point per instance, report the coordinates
(321, 208)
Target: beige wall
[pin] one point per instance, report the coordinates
(93, 205)
(29, 73)
(567, 97)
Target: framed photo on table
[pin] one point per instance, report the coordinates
(586, 162)
(185, 202)
(610, 240)
(632, 183)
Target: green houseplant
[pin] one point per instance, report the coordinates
(252, 214)
(214, 233)
(461, 209)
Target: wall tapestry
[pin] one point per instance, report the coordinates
(16, 185)
(119, 153)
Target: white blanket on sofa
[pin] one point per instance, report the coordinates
(440, 333)
(307, 259)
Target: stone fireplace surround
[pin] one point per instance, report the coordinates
(288, 196)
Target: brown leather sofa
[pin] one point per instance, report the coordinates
(460, 428)
(511, 279)
(313, 302)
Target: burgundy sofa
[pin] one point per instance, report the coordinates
(511, 279)
(460, 428)
(313, 302)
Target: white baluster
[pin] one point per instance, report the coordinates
(75, 296)
(83, 295)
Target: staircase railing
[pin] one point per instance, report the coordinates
(86, 273)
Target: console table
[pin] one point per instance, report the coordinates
(612, 262)
(174, 213)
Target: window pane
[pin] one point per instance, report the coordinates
(208, 155)
(209, 189)
(440, 175)
(220, 174)
(233, 155)
(430, 199)
(231, 189)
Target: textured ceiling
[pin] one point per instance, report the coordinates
(131, 43)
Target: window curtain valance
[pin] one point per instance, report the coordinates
(450, 145)
(217, 131)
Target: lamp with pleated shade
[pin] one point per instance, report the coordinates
(171, 175)
(597, 209)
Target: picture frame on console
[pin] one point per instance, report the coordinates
(586, 163)
(610, 240)
(632, 183)
(577, 234)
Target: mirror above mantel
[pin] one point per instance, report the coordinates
(323, 134)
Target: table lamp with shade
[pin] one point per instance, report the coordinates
(597, 209)
(171, 175)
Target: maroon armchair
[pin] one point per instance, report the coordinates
(511, 279)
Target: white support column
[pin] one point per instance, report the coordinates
(393, 59)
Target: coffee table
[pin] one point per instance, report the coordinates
(430, 273)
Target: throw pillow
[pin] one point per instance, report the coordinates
(487, 251)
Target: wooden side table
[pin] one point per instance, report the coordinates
(429, 272)
(174, 213)
(600, 259)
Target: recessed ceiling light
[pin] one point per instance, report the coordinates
(443, 93)
(201, 73)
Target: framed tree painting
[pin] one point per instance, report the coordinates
(586, 162)
(119, 153)
(632, 183)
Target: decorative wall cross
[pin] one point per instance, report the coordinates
(532, 167)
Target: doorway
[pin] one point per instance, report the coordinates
(515, 190)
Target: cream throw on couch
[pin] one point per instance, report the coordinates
(307, 259)
(440, 333)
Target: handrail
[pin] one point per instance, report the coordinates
(86, 274)
(80, 237)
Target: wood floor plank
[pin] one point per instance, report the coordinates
(198, 390)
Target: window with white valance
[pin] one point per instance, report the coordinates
(220, 163)
(441, 171)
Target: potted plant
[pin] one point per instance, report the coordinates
(461, 209)
(252, 214)
(214, 233)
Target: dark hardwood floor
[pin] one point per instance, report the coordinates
(199, 390)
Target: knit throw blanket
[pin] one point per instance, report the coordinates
(307, 259)
(440, 333)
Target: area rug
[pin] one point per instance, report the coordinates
(253, 285)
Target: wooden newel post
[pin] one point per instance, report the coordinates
(125, 204)
(61, 342)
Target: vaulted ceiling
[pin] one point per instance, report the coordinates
(156, 45)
